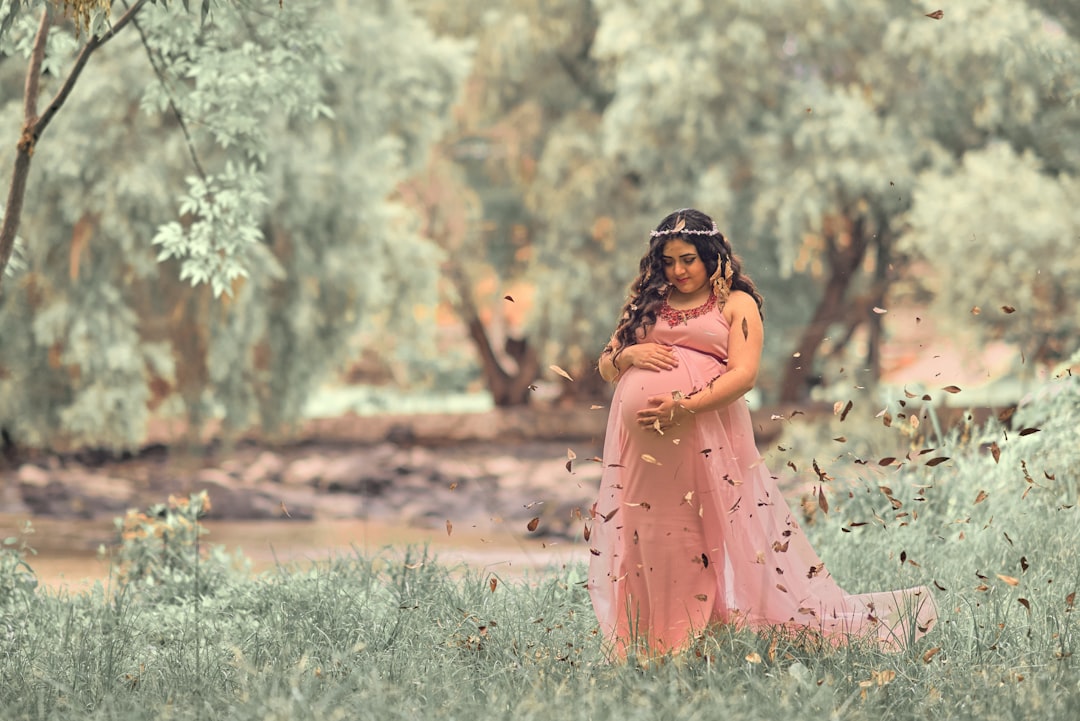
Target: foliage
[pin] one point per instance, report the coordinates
(279, 137)
(161, 555)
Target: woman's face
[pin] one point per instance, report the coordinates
(683, 268)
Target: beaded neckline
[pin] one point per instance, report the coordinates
(675, 317)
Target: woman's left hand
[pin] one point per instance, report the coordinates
(663, 412)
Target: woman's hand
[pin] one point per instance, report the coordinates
(664, 411)
(649, 356)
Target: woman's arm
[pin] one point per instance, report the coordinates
(650, 356)
(744, 356)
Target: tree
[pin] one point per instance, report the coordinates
(280, 136)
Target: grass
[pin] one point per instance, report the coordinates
(398, 635)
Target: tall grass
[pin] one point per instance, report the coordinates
(398, 635)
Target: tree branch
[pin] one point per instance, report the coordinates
(80, 62)
(172, 104)
(24, 149)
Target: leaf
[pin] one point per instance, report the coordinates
(506, 297)
(1025, 603)
(880, 311)
(449, 527)
(936, 461)
(1070, 600)
(887, 420)
(570, 454)
(1029, 431)
(679, 225)
(1009, 580)
(981, 497)
(533, 524)
(754, 657)
(995, 451)
(701, 597)
(939, 586)
(745, 330)
(587, 533)
(493, 583)
(561, 372)
(649, 459)
(951, 389)
(704, 560)
(1008, 309)
(840, 439)
(936, 15)
(887, 461)
(847, 409)
(823, 503)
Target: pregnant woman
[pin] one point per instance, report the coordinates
(689, 528)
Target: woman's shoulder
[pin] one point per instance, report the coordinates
(740, 304)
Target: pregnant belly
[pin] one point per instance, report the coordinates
(637, 385)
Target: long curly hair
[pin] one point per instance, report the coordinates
(650, 288)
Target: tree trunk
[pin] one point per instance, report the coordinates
(844, 260)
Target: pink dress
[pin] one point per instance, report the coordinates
(690, 529)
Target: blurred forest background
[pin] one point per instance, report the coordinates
(250, 213)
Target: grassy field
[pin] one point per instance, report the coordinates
(183, 634)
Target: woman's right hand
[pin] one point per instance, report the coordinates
(650, 356)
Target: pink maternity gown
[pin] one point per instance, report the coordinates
(690, 528)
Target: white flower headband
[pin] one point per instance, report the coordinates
(679, 229)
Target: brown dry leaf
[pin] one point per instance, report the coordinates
(679, 225)
(569, 466)
(1025, 603)
(883, 677)
(493, 583)
(995, 451)
(701, 597)
(1008, 309)
(936, 15)
(909, 394)
(887, 461)
(1070, 600)
(880, 311)
(754, 657)
(1009, 580)
(1029, 431)
(939, 586)
(561, 372)
(847, 409)
(840, 439)
(649, 459)
(781, 587)
(745, 330)
(975, 310)
(981, 497)
(887, 420)
(453, 486)
(1006, 414)
(936, 461)
(951, 389)
(780, 547)
(704, 560)
(595, 407)
(570, 454)
(588, 532)
(449, 527)
(823, 503)
(914, 420)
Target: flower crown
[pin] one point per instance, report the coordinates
(679, 229)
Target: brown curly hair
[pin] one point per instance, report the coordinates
(650, 288)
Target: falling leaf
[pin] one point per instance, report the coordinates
(533, 524)
(887, 420)
(976, 310)
(449, 527)
(951, 389)
(1009, 580)
(561, 372)
(887, 461)
(594, 552)
(493, 583)
(587, 533)
(823, 503)
(840, 439)
(936, 15)
(914, 421)
(1070, 599)
(847, 409)
(1024, 564)
(939, 586)
(1008, 309)
(679, 225)
(649, 459)
(754, 657)
(936, 461)
(1029, 431)
(745, 330)
(704, 560)
(1025, 603)
(931, 653)
(453, 486)
(595, 407)
(880, 311)
(781, 587)
(780, 547)
(285, 510)
(981, 497)
(909, 394)
(1006, 414)
(995, 451)
(506, 297)
(569, 466)
(701, 597)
